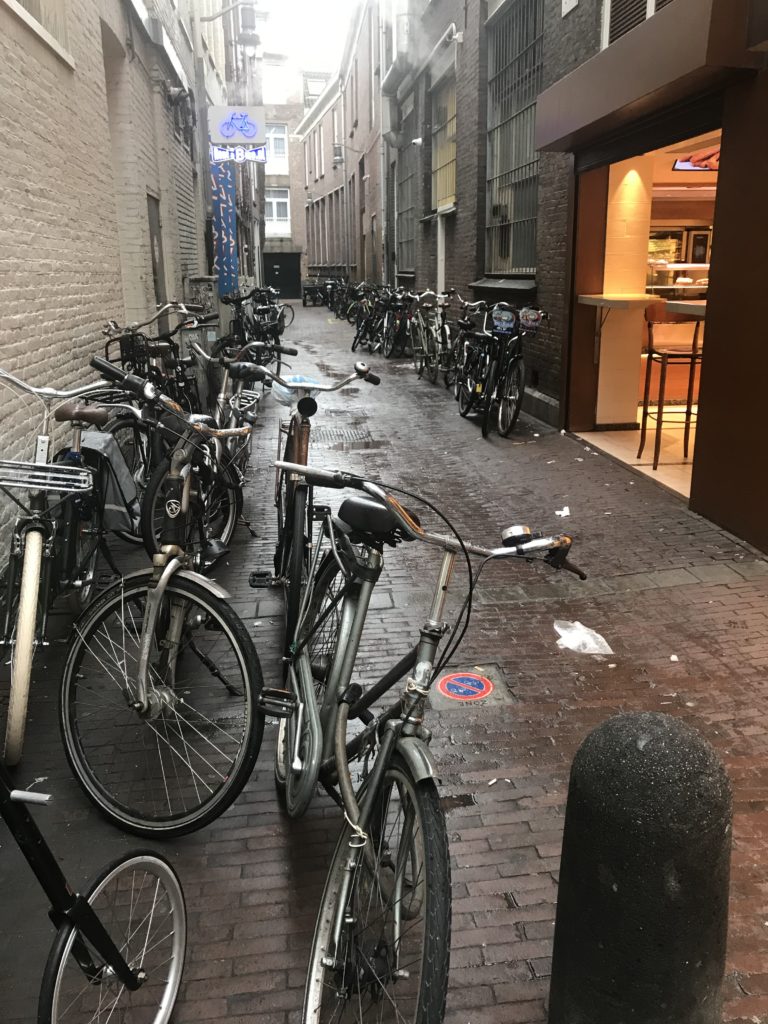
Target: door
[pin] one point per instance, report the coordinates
(282, 270)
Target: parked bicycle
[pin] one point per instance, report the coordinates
(382, 939)
(160, 696)
(119, 949)
(56, 537)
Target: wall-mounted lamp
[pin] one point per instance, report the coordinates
(417, 142)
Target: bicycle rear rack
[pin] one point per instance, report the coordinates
(52, 476)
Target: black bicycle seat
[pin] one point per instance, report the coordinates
(365, 515)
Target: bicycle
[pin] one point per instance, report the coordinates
(425, 330)
(383, 928)
(56, 538)
(160, 701)
(119, 947)
(294, 502)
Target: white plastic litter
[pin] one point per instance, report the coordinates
(574, 636)
(493, 782)
(673, 657)
(564, 511)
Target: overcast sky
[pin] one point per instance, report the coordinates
(311, 32)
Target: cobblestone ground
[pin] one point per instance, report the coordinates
(662, 583)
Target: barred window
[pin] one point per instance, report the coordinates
(444, 144)
(407, 169)
(514, 82)
(52, 16)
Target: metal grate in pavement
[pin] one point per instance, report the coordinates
(331, 435)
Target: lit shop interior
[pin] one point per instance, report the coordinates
(649, 315)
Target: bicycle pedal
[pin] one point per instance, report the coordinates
(261, 579)
(278, 703)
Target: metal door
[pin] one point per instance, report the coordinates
(282, 270)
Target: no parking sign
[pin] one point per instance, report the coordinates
(465, 686)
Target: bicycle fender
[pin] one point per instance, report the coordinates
(417, 756)
(213, 588)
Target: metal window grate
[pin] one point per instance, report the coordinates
(407, 168)
(515, 70)
(444, 144)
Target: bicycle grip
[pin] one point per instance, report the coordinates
(193, 307)
(107, 369)
(373, 378)
(286, 350)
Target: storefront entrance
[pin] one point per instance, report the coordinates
(649, 315)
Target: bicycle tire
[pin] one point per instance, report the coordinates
(489, 395)
(426, 896)
(321, 649)
(431, 359)
(467, 396)
(419, 351)
(116, 754)
(137, 909)
(24, 647)
(388, 340)
(289, 314)
(511, 399)
(294, 564)
(353, 312)
(226, 496)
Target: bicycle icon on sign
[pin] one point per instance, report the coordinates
(238, 124)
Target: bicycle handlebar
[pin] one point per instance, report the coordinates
(49, 393)
(187, 308)
(556, 545)
(147, 391)
(361, 372)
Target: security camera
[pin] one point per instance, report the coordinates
(417, 142)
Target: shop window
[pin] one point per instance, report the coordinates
(621, 16)
(277, 212)
(514, 81)
(407, 169)
(444, 144)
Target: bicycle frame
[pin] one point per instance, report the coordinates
(66, 905)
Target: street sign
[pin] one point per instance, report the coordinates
(465, 686)
(237, 126)
(240, 154)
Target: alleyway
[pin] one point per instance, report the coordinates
(682, 604)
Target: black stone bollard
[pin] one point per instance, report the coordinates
(642, 907)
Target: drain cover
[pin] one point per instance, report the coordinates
(331, 435)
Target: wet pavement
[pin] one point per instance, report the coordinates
(681, 603)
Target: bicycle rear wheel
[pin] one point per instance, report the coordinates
(511, 397)
(177, 767)
(391, 962)
(489, 397)
(288, 314)
(292, 791)
(431, 357)
(139, 901)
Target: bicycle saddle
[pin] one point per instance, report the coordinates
(370, 518)
(245, 371)
(72, 412)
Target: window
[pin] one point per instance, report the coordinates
(514, 82)
(306, 164)
(322, 150)
(315, 161)
(335, 122)
(50, 16)
(277, 212)
(621, 16)
(407, 170)
(444, 144)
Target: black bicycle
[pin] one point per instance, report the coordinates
(120, 947)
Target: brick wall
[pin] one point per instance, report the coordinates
(59, 263)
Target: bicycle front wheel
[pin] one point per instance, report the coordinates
(23, 647)
(288, 314)
(139, 901)
(391, 960)
(489, 397)
(177, 766)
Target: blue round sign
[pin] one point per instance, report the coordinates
(465, 686)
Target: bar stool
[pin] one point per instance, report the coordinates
(672, 338)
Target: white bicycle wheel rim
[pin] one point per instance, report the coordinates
(24, 647)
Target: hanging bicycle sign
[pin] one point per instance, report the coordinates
(236, 125)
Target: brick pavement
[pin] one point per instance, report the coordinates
(662, 582)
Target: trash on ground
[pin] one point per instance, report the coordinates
(564, 511)
(493, 782)
(673, 657)
(580, 638)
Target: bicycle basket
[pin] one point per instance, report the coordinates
(286, 396)
(33, 476)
